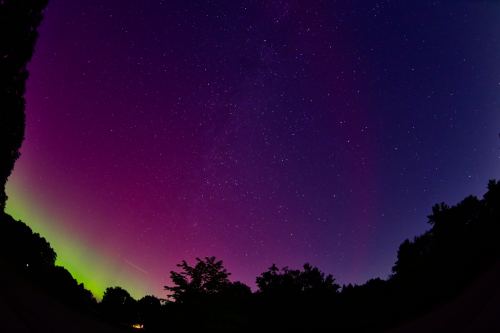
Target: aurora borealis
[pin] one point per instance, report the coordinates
(258, 132)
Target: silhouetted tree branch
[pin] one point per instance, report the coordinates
(206, 277)
(19, 20)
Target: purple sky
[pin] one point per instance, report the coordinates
(258, 132)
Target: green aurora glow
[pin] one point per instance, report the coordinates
(91, 266)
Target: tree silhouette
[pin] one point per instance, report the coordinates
(462, 243)
(205, 299)
(19, 20)
(60, 283)
(149, 302)
(148, 311)
(26, 250)
(206, 277)
(413, 256)
(295, 281)
(118, 305)
(236, 289)
(295, 300)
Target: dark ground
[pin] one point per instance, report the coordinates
(477, 309)
(25, 309)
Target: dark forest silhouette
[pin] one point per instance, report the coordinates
(19, 20)
(433, 267)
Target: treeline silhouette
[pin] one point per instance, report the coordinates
(32, 256)
(19, 20)
(432, 268)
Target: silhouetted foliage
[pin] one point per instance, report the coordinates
(19, 20)
(289, 281)
(148, 303)
(148, 308)
(412, 256)
(33, 257)
(461, 237)
(364, 308)
(26, 250)
(236, 289)
(60, 283)
(118, 305)
(461, 244)
(204, 292)
(292, 300)
(430, 268)
(206, 277)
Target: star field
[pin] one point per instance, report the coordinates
(258, 132)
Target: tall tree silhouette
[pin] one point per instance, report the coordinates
(205, 299)
(296, 300)
(19, 21)
(206, 277)
(118, 305)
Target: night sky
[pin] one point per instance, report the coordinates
(258, 132)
